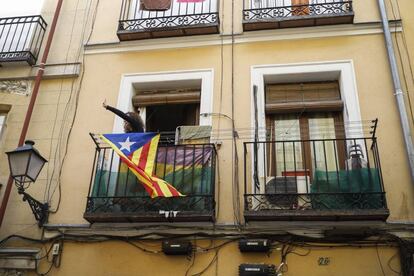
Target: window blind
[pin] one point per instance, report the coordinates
(162, 98)
(296, 97)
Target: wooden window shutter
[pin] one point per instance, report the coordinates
(171, 97)
(297, 97)
(156, 5)
(300, 7)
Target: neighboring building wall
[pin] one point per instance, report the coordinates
(53, 112)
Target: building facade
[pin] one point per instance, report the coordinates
(278, 121)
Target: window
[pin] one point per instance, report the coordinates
(2, 123)
(168, 109)
(317, 145)
(170, 8)
(304, 123)
(166, 118)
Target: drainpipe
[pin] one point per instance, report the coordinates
(398, 92)
(29, 112)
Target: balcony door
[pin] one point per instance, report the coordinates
(169, 8)
(304, 143)
(300, 7)
(165, 110)
(304, 122)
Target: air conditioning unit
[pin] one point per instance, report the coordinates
(281, 192)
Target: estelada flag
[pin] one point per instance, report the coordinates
(138, 151)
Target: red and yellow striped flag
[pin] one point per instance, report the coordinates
(138, 151)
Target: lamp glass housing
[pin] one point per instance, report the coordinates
(25, 163)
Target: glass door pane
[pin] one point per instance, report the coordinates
(288, 148)
(323, 146)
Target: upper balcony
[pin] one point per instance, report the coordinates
(21, 38)
(314, 179)
(142, 19)
(276, 14)
(115, 194)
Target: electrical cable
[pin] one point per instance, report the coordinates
(405, 45)
(58, 148)
(139, 247)
(218, 186)
(401, 60)
(76, 105)
(46, 254)
(221, 65)
(192, 263)
(43, 273)
(379, 261)
(288, 240)
(213, 260)
(235, 160)
(389, 264)
(49, 184)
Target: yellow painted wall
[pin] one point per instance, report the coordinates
(121, 259)
(373, 85)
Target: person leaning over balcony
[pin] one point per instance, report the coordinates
(132, 120)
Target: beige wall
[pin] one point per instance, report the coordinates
(116, 258)
(367, 52)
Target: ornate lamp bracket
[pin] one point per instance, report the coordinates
(40, 210)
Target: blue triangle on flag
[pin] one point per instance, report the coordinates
(130, 142)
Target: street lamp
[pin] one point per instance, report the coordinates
(25, 164)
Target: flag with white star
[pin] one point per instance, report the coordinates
(138, 151)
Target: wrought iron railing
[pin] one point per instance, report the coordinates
(262, 10)
(116, 194)
(313, 175)
(21, 38)
(135, 18)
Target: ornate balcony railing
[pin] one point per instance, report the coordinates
(21, 38)
(115, 194)
(179, 19)
(273, 14)
(321, 179)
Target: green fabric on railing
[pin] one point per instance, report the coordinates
(353, 189)
(187, 181)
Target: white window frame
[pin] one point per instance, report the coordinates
(342, 70)
(129, 81)
(3, 125)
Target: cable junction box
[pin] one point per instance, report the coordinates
(257, 270)
(254, 245)
(177, 247)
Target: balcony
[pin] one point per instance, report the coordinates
(115, 195)
(321, 179)
(178, 19)
(277, 14)
(21, 39)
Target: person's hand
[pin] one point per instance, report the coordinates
(104, 104)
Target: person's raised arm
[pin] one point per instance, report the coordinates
(117, 112)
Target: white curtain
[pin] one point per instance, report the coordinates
(2, 124)
(323, 152)
(288, 154)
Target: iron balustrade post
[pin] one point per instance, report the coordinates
(193, 167)
(245, 166)
(336, 164)
(93, 172)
